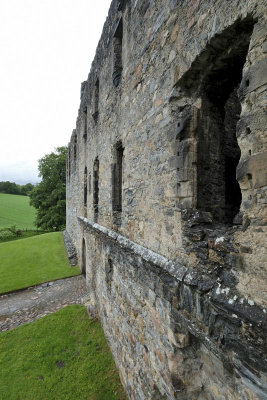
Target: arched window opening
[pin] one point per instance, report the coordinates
(215, 77)
(96, 188)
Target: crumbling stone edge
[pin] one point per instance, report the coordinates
(205, 302)
(70, 248)
(182, 273)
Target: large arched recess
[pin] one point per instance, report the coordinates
(213, 82)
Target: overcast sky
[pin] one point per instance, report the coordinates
(46, 50)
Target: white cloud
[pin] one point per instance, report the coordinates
(46, 52)
(21, 172)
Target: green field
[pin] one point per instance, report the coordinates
(63, 356)
(16, 210)
(34, 260)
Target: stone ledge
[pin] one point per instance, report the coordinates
(205, 308)
(175, 269)
(245, 310)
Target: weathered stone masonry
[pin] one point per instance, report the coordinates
(166, 200)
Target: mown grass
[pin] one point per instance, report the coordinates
(34, 260)
(16, 210)
(63, 356)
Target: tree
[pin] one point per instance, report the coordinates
(14, 188)
(9, 187)
(26, 189)
(49, 196)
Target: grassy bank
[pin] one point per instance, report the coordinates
(16, 210)
(63, 356)
(34, 260)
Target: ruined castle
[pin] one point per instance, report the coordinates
(166, 201)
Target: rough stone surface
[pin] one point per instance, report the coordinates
(170, 229)
(70, 248)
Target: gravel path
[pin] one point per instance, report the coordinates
(33, 303)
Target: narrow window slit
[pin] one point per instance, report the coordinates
(85, 125)
(85, 188)
(117, 173)
(75, 148)
(96, 188)
(117, 54)
(84, 258)
(96, 102)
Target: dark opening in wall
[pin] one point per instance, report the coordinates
(96, 101)
(75, 148)
(117, 182)
(90, 184)
(85, 187)
(215, 77)
(84, 259)
(85, 125)
(121, 4)
(117, 53)
(96, 188)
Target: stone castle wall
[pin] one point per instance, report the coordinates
(172, 245)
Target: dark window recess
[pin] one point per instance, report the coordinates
(218, 74)
(75, 148)
(85, 188)
(96, 102)
(84, 259)
(85, 125)
(117, 54)
(96, 189)
(117, 181)
(90, 184)
(121, 4)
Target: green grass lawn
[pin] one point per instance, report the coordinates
(34, 260)
(16, 210)
(62, 356)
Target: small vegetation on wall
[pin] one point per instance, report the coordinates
(49, 196)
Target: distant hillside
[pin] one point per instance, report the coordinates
(16, 210)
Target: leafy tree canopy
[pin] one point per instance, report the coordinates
(14, 188)
(49, 196)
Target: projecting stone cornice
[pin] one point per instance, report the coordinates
(199, 303)
(175, 269)
(228, 298)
